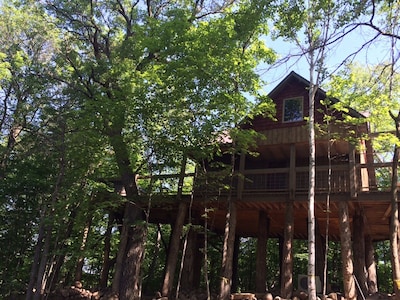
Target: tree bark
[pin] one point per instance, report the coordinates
(261, 259)
(175, 237)
(227, 254)
(192, 267)
(394, 220)
(311, 175)
(106, 253)
(319, 257)
(174, 250)
(41, 276)
(347, 255)
(127, 281)
(235, 263)
(130, 284)
(230, 230)
(61, 246)
(36, 261)
(80, 263)
(359, 248)
(287, 254)
(370, 265)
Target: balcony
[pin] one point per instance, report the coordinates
(343, 179)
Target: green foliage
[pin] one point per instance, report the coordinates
(247, 264)
(84, 82)
(366, 89)
(384, 266)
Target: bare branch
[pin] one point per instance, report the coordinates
(380, 31)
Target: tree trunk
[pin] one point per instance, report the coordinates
(359, 248)
(287, 254)
(175, 237)
(191, 272)
(173, 251)
(235, 263)
(230, 231)
(36, 261)
(311, 179)
(261, 259)
(394, 220)
(61, 246)
(320, 249)
(126, 281)
(106, 253)
(227, 254)
(370, 265)
(347, 255)
(41, 276)
(130, 284)
(81, 259)
(205, 266)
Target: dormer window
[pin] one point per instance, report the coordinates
(293, 109)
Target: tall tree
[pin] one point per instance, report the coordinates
(315, 27)
(155, 79)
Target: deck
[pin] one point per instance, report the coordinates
(269, 190)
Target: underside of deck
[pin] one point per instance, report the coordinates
(375, 206)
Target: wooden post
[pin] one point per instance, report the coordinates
(240, 184)
(261, 259)
(353, 173)
(292, 172)
(369, 160)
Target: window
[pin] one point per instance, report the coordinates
(293, 110)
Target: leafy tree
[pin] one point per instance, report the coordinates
(156, 81)
(316, 27)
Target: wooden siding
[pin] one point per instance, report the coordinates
(284, 136)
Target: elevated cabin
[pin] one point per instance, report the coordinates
(279, 171)
(278, 176)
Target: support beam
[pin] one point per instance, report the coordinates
(353, 174)
(292, 172)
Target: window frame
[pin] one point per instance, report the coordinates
(301, 110)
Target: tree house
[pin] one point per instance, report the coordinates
(279, 171)
(278, 175)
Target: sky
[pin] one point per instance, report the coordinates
(374, 54)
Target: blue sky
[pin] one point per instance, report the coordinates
(376, 53)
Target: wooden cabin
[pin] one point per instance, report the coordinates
(278, 175)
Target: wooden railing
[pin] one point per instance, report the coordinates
(366, 178)
(278, 179)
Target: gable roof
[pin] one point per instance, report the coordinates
(293, 76)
